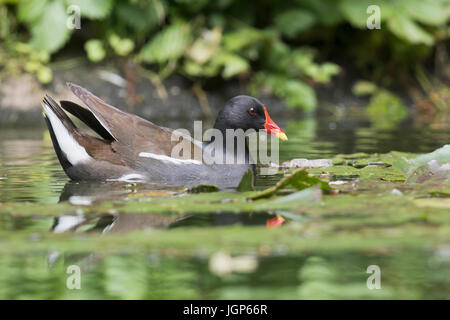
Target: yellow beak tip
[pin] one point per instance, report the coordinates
(282, 136)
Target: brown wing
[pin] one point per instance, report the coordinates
(131, 133)
(87, 117)
(97, 148)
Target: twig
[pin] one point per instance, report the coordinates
(130, 76)
(156, 81)
(202, 99)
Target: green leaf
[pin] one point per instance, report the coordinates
(247, 182)
(299, 179)
(32, 66)
(44, 74)
(429, 12)
(94, 49)
(244, 37)
(50, 34)
(206, 46)
(291, 22)
(210, 69)
(233, 65)
(406, 29)
(94, 9)
(356, 11)
(299, 94)
(326, 11)
(30, 10)
(409, 166)
(303, 57)
(121, 46)
(364, 88)
(203, 188)
(169, 44)
(322, 73)
(294, 200)
(293, 91)
(141, 16)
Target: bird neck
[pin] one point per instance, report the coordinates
(230, 146)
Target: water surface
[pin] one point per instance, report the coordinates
(30, 172)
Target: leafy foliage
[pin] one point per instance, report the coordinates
(169, 44)
(205, 39)
(93, 9)
(49, 34)
(291, 22)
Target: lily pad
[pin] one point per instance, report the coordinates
(293, 200)
(434, 166)
(299, 179)
(203, 188)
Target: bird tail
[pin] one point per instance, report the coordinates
(62, 131)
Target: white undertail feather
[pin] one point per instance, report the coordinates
(73, 151)
(67, 222)
(168, 159)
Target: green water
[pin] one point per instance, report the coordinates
(215, 254)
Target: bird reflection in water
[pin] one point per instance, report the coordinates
(84, 193)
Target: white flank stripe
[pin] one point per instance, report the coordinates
(80, 200)
(131, 177)
(74, 152)
(168, 159)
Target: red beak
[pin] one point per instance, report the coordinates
(272, 128)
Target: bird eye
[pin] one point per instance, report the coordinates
(252, 111)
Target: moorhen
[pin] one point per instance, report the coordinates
(130, 148)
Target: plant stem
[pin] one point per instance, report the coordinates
(202, 99)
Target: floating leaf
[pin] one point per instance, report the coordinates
(433, 203)
(434, 166)
(299, 179)
(203, 188)
(408, 166)
(294, 200)
(433, 171)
